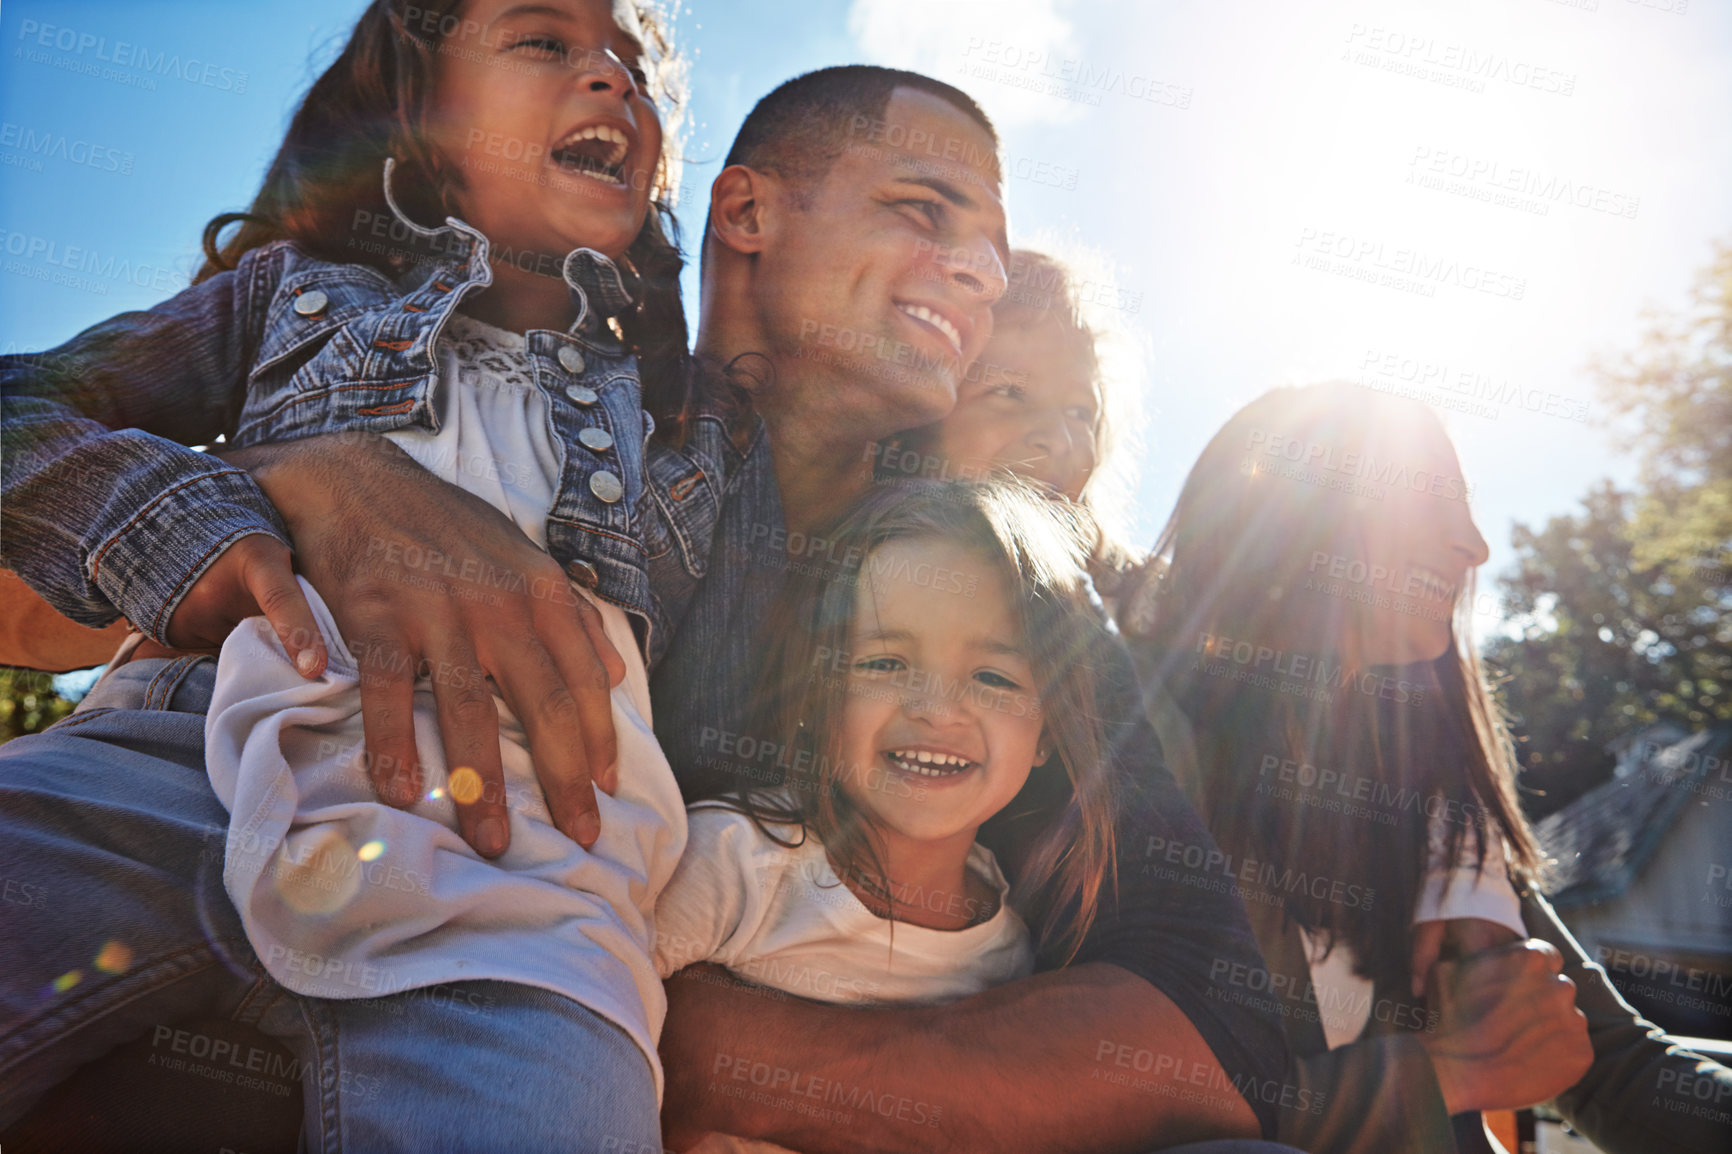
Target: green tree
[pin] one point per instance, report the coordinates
(28, 703)
(1624, 608)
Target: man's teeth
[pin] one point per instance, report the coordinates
(605, 133)
(927, 763)
(922, 313)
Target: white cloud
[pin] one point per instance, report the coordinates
(1008, 54)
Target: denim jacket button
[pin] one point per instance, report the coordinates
(599, 440)
(606, 486)
(582, 394)
(311, 304)
(583, 573)
(570, 359)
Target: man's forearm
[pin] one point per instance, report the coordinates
(1089, 1058)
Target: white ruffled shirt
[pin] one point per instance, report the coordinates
(344, 897)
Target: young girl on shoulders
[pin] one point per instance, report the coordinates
(457, 248)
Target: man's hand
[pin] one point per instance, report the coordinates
(425, 578)
(1509, 1034)
(252, 576)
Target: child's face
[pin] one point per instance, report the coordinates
(942, 721)
(540, 106)
(1029, 404)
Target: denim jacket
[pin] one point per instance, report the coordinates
(106, 509)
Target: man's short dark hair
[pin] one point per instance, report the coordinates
(799, 130)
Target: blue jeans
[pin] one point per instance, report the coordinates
(115, 926)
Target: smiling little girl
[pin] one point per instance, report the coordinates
(944, 680)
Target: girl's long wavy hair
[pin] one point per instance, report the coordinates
(1233, 562)
(1041, 548)
(324, 187)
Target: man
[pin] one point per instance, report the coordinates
(855, 247)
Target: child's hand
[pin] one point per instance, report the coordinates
(1508, 1032)
(1450, 940)
(251, 577)
(423, 577)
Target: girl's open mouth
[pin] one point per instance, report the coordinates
(598, 152)
(925, 763)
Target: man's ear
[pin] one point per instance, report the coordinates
(742, 208)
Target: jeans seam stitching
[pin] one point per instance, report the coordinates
(70, 1010)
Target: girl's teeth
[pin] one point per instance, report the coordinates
(928, 764)
(604, 133)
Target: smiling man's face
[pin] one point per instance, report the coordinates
(879, 277)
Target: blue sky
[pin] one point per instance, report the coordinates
(1480, 193)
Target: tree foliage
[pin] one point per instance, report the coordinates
(1623, 605)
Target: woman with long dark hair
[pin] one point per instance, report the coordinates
(1305, 638)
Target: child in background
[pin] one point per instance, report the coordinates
(942, 676)
(1051, 400)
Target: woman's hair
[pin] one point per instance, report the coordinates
(324, 189)
(1265, 668)
(1039, 547)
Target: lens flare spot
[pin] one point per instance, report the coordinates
(317, 871)
(436, 793)
(67, 980)
(465, 785)
(371, 851)
(115, 958)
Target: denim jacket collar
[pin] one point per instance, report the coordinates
(599, 288)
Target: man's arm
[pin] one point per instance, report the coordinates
(106, 509)
(35, 635)
(1088, 1058)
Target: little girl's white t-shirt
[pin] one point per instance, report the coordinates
(345, 897)
(780, 917)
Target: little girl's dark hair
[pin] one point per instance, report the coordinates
(1040, 546)
(324, 189)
